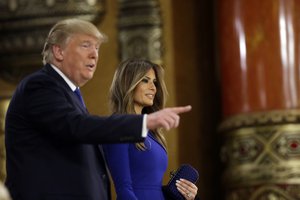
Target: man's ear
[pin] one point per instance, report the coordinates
(58, 52)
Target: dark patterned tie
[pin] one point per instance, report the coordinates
(78, 94)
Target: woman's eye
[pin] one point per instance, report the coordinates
(145, 80)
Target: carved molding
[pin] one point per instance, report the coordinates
(266, 192)
(260, 119)
(24, 25)
(261, 155)
(4, 101)
(140, 30)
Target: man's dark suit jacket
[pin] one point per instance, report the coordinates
(52, 142)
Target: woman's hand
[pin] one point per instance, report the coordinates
(187, 189)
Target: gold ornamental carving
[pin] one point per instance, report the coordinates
(24, 25)
(140, 29)
(4, 101)
(261, 156)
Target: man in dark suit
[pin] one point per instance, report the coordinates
(52, 143)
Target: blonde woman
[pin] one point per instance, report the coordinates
(137, 169)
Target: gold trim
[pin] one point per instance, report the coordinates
(140, 30)
(260, 119)
(4, 102)
(270, 192)
(259, 150)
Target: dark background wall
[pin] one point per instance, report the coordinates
(195, 60)
(190, 61)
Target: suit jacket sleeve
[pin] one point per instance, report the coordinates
(51, 107)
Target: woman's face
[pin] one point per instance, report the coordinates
(145, 91)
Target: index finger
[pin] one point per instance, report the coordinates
(189, 183)
(181, 109)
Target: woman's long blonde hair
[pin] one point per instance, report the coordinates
(127, 76)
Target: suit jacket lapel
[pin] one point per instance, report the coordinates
(49, 70)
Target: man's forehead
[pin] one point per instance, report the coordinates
(80, 37)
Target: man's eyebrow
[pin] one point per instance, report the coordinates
(86, 41)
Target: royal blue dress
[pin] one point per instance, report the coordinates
(137, 174)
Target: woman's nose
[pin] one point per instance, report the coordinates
(152, 86)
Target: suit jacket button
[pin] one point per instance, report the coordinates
(104, 176)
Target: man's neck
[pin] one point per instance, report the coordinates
(68, 81)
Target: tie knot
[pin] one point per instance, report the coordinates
(77, 91)
(78, 94)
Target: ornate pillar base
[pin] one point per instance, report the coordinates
(261, 153)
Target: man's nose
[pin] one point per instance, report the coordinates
(94, 53)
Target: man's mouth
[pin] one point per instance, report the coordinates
(90, 66)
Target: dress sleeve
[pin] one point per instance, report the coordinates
(117, 157)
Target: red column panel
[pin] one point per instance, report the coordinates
(259, 54)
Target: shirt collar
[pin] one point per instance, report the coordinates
(68, 81)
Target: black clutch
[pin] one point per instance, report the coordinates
(185, 171)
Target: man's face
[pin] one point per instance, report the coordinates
(79, 58)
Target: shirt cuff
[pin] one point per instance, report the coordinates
(144, 129)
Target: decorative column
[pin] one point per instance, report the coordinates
(4, 101)
(140, 30)
(260, 71)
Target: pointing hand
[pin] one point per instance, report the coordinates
(166, 118)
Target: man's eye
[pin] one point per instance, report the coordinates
(85, 45)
